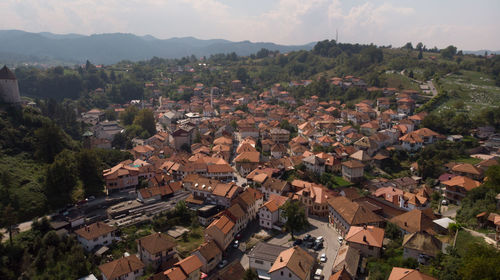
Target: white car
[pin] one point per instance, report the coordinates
(341, 239)
(319, 239)
(236, 244)
(318, 275)
(322, 258)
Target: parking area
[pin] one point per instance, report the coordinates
(319, 227)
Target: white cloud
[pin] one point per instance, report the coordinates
(281, 21)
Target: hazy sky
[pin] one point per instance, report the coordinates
(470, 25)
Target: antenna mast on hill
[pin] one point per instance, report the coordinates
(336, 35)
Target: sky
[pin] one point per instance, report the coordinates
(469, 25)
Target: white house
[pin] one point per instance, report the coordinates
(94, 235)
(270, 213)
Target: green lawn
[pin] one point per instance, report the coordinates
(470, 160)
(476, 90)
(341, 182)
(396, 80)
(464, 239)
(194, 239)
(26, 184)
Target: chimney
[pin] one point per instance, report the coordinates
(281, 259)
(364, 238)
(364, 226)
(406, 224)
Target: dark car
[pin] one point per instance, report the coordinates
(297, 242)
(307, 237)
(318, 246)
(309, 244)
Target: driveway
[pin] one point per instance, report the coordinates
(449, 211)
(432, 88)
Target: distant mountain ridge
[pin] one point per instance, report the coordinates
(110, 48)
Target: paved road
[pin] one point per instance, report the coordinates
(449, 211)
(432, 88)
(482, 235)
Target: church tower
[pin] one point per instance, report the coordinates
(9, 89)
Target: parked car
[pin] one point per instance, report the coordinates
(307, 237)
(444, 202)
(318, 275)
(236, 244)
(222, 264)
(340, 239)
(322, 258)
(238, 236)
(309, 244)
(318, 246)
(90, 198)
(319, 239)
(297, 242)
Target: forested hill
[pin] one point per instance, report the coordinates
(19, 46)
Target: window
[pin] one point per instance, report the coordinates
(370, 247)
(259, 262)
(289, 275)
(282, 273)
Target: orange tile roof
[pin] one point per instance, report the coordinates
(94, 230)
(462, 181)
(224, 224)
(296, 260)
(369, 235)
(275, 202)
(190, 264)
(156, 242)
(122, 266)
(399, 273)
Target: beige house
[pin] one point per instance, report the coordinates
(186, 269)
(155, 249)
(222, 231)
(126, 268)
(294, 263)
(352, 170)
(209, 254)
(344, 213)
(95, 235)
(367, 239)
(421, 246)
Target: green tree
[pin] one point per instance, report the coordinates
(408, 46)
(449, 52)
(127, 117)
(250, 274)
(89, 170)
(49, 141)
(8, 220)
(296, 219)
(61, 179)
(242, 75)
(146, 120)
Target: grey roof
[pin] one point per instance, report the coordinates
(266, 251)
(6, 74)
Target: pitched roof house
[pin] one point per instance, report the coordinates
(129, 267)
(294, 261)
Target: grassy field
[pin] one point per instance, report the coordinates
(396, 80)
(464, 239)
(476, 91)
(26, 184)
(470, 160)
(193, 240)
